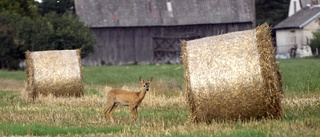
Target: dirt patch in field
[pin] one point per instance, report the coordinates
(13, 85)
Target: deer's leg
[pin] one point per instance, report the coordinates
(136, 112)
(110, 104)
(132, 111)
(113, 108)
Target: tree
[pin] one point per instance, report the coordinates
(58, 6)
(315, 41)
(21, 29)
(9, 49)
(22, 7)
(68, 33)
(52, 32)
(12, 12)
(271, 11)
(33, 33)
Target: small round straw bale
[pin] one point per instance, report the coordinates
(232, 76)
(56, 72)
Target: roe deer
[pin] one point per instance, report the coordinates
(126, 98)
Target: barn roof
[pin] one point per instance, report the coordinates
(116, 13)
(300, 19)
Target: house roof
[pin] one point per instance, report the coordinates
(300, 19)
(116, 13)
(305, 3)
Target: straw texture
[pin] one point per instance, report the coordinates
(57, 72)
(232, 76)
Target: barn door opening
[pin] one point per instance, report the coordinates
(167, 49)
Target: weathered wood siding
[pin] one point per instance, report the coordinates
(128, 13)
(134, 45)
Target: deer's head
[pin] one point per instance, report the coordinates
(144, 84)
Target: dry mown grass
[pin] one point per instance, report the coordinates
(163, 112)
(6, 84)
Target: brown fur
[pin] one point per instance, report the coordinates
(126, 98)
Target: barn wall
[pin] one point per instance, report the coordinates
(127, 13)
(134, 45)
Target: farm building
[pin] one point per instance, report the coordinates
(149, 31)
(293, 34)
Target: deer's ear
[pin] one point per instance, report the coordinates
(141, 80)
(150, 79)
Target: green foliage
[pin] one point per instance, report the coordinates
(22, 7)
(21, 29)
(271, 11)
(58, 6)
(315, 41)
(18, 35)
(52, 32)
(68, 32)
(10, 50)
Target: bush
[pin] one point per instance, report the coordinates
(315, 41)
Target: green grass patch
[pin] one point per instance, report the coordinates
(292, 114)
(43, 130)
(7, 95)
(245, 133)
(236, 133)
(158, 114)
(92, 92)
(169, 114)
(13, 75)
(194, 134)
(120, 75)
(300, 75)
(117, 75)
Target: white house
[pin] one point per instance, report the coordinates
(296, 5)
(294, 33)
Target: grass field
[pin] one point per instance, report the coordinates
(163, 112)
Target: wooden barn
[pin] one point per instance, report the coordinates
(149, 31)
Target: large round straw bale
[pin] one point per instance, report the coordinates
(232, 76)
(57, 72)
